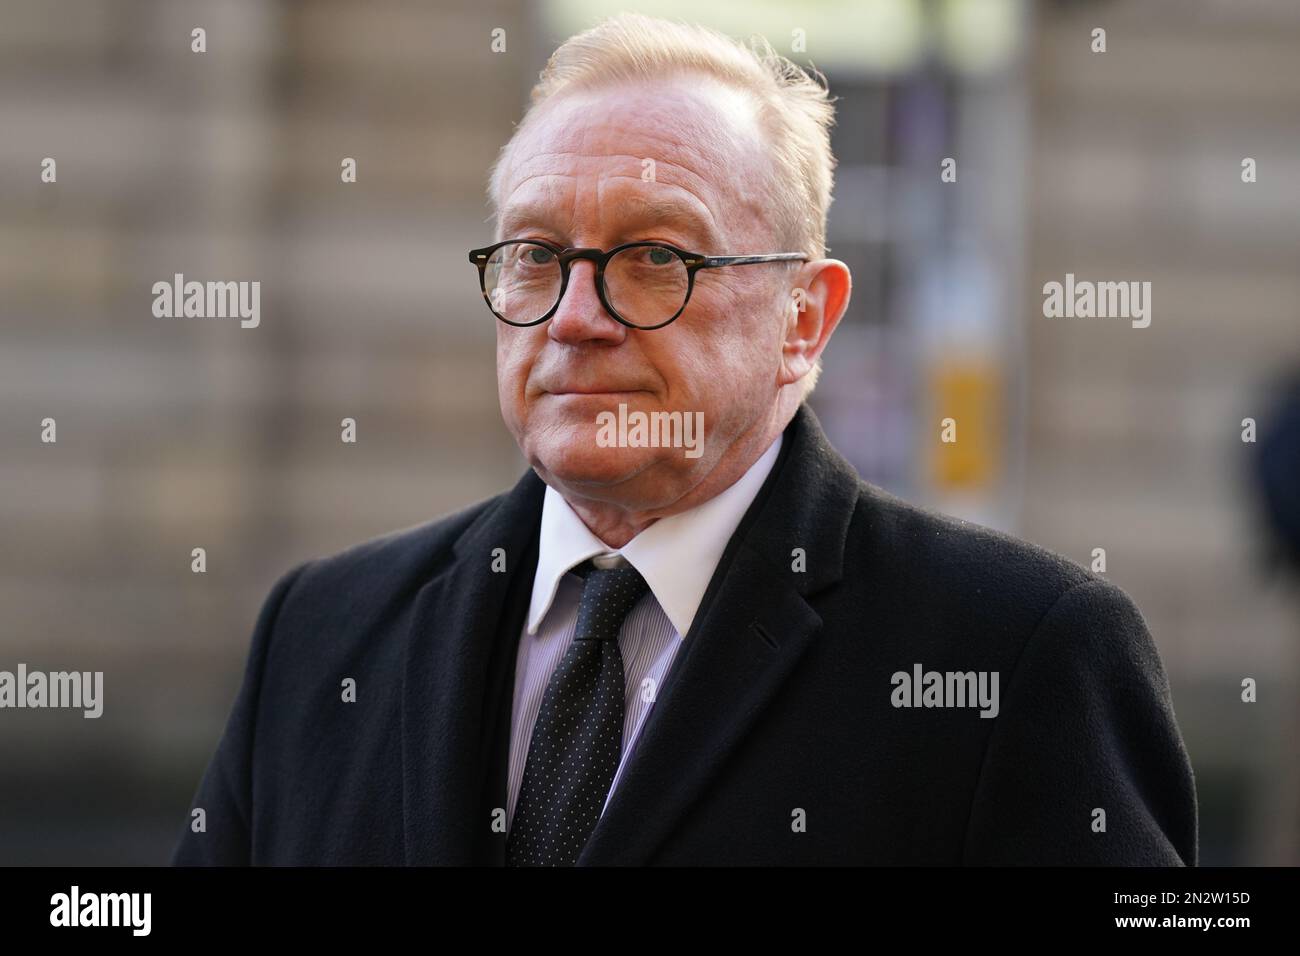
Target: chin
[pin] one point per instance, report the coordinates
(580, 463)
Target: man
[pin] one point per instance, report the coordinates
(657, 649)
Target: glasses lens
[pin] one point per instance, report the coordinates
(522, 281)
(646, 285)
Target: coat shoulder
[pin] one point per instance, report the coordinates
(960, 564)
(388, 565)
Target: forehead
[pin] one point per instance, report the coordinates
(692, 146)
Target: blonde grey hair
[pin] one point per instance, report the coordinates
(794, 108)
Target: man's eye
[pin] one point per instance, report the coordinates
(536, 255)
(655, 256)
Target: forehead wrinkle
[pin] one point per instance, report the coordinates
(699, 181)
(693, 219)
(680, 207)
(693, 213)
(550, 197)
(691, 188)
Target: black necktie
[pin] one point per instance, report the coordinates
(578, 737)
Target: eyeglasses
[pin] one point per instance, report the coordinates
(644, 285)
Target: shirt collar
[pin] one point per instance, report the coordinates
(676, 555)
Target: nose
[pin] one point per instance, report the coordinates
(581, 317)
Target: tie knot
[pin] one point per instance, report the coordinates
(608, 594)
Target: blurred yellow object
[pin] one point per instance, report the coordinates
(969, 393)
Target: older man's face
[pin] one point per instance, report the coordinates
(575, 176)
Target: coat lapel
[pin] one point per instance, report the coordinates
(458, 661)
(753, 625)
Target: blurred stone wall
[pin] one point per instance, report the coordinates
(1134, 435)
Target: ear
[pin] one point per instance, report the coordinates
(819, 297)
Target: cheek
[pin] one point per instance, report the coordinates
(513, 364)
(513, 357)
(738, 339)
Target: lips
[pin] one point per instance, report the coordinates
(592, 391)
(577, 387)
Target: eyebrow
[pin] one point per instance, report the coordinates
(642, 212)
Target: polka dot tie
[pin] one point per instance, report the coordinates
(578, 737)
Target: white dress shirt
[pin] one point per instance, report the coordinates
(676, 555)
